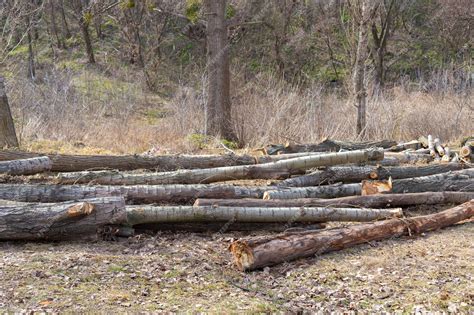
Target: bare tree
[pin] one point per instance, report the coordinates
(7, 129)
(218, 111)
(84, 16)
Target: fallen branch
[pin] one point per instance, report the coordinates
(350, 174)
(254, 253)
(67, 220)
(26, 166)
(279, 169)
(372, 201)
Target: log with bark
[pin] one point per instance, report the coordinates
(61, 221)
(350, 174)
(274, 170)
(328, 146)
(255, 253)
(372, 201)
(74, 163)
(133, 194)
(181, 214)
(26, 166)
(467, 153)
(462, 180)
(411, 145)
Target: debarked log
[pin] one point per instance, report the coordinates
(274, 170)
(26, 166)
(462, 180)
(255, 253)
(371, 201)
(62, 221)
(350, 174)
(181, 214)
(133, 194)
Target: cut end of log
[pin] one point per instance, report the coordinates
(84, 208)
(375, 187)
(243, 257)
(465, 151)
(266, 195)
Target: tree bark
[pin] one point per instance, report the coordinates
(54, 27)
(68, 220)
(255, 253)
(180, 214)
(26, 166)
(7, 128)
(74, 163)
(372, 201)
(279, 169)
(133, 194)
(65, 26)
(84, 26)
(31, 55)
(218, 110)
(328, 145)
(453, 181)
(351, 174)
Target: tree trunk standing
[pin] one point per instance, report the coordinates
(31, 56)
(84, 25)
(360, 91)
(65, 26)
(218, 110)
(54, 27)
(7, 128)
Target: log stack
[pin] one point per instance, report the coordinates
(302, 186)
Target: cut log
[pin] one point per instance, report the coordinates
(328, 146)
(133, 194)
(74, 163)
(438, 147)
(275, 170)
(350, 174)
(431, 146)
(180, 214)
(462, 180)
(467, 153)
(373, 201)
(411, 145)
(62, 221)
(255, 253)
(26, 166)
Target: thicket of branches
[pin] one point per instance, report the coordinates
(354, 62)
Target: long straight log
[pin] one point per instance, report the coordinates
(133, 194)
(328, 146)
(371, 201)
(26, 166)
(74, 163)
(180, 214)
(462, 180)
(279, 169)
(254, 253)
(67, 220)
(350, 174)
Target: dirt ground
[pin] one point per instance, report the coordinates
(193, 272)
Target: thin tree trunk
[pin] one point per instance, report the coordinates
(68, 220)
(84, 26)
(65, 26)
(351, 174)
(134, 194)
(74, 163)
(453, 181)
(371, 201)
(31, 56)
(26, 166)
(279, 169)
(7, 128)
(254, 253)
(218, 110)
(54, 27)
(180, 214)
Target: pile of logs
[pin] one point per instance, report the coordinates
(62, 197)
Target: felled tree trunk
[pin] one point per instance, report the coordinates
(68, 220)
(74, 163)
(254, 253)
(133, 194)
(350, 174)
(467, 152)
(462, 180)
(279, 169)
(328, 146)
(371, 201)
(26, 166)
(411, 145)
(181, 214)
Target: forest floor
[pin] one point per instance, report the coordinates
(193, 272)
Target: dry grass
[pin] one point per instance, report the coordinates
(92, 107)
